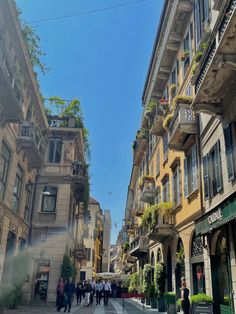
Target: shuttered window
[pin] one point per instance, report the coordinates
(176, 186)
(158, 163)
(206, 177)
(229, 152)
(194, 181)
(185, 177)
(191, 172)
(217, 166)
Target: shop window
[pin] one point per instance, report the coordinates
(55, 150)
(212, 172)
(41, 283)
(49, 200)
(229, 151)
(4, 167)
(17, 188)
(176, 186)
(190, 172)
(198, 271)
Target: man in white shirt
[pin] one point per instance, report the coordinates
(98, 289)
(107, 291)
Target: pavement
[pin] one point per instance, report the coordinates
(114, 306)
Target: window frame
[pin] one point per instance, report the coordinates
(54, 141)
(6, 166)
(176, 186)
(45, 197)
(18, 186)
(28, 200)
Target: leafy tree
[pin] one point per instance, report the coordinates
(67, 269)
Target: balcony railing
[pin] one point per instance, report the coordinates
(139, 246)
(147, 191)
(163, 229)
(80, 252)
(10, 92)
(182, 124)
(139, 147)
(31, 141)
(61, 122)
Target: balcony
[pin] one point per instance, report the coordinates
(61, 122)
(139, 246)
(147, 191)
(11, 99)
(214, 78)
(162, 230)
(139, 147)
(31, 142)
(139, 211)
(80, 252)
(157, 124)
(181, 126)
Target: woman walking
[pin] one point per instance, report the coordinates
(60, 294)
(185, 298)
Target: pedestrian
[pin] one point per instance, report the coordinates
(98, 289)
(185, 298)
(79, 292)
(107, 291)
(60, 294)
(69, 292)
(92, 283)
(87, 290)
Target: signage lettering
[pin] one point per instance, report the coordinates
(215, 216)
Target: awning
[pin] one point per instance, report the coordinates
(217, 217)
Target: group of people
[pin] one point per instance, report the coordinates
(83, 290)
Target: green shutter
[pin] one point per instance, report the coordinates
(218, 168)
(194, 168)
(206, 177)
(185, 177)
(178, 185)
(229, 152)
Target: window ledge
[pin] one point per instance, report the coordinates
(176, 208)
(193, 195)
(47, 213)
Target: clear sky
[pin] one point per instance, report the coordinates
(102, 58)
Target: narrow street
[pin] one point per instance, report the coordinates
(114, 306)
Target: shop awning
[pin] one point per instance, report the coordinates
(217, 217)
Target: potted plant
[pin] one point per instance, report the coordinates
(179, 305)
(153, 296)
(184, 55)
(159, 282)
(147, 279)
(203, 302)
(170, 302)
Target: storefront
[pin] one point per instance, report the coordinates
(217, 229)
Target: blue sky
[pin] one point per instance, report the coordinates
(101, 58)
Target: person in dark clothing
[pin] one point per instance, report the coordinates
(60, 294)
(87, 290)
(79, 292)
(185, 298)
(69, 292)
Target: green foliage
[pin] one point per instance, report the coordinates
(180, 256)
(140, 281)
(169, 297)
(32, 41)
(198, 56)
(147, 278)
(152, 292)
(20, 267)
(150, 215)
(201, 297)
(172, 89)
(126, 282)
(151, 106)
(160, 279)
(10, 296)
(181, 99)
(126, 245)
(179, 302)
(67, 268)
(167, 120)
(134, 282)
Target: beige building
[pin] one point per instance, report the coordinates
(106, 241)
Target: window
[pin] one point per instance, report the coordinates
(212, 172)
(165, 146)
(49, 201)
(187, 50)
(17, 188)
(229, 151)
(158, 163)
(201, 16)
(165, 190)
(28, 201)
(88, 254)
(158, 196)
(190, 172)
(176, 186)
(4, 166)
(55, 149)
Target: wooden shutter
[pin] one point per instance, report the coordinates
(229, 152)
(185, 177)
(218, 168)
(206, 177)
(194, 168)
(178, 186)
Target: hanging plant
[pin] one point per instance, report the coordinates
(172, 89)
(180, 256)
(181, 99)
(167, 120)
(134, 282)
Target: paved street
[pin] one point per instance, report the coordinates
(115, 306)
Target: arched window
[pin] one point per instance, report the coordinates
(152, 259)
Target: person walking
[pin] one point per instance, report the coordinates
(185, 298)
(87, 291)
(69, 292)
(107, 291)
(92, 283)
(60, 294)
(79, 292)
(98, 289)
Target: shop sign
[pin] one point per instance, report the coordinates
(202, 308)
(215, 216)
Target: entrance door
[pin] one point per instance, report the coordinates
(221, 277)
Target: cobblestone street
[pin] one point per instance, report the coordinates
(115, 306)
